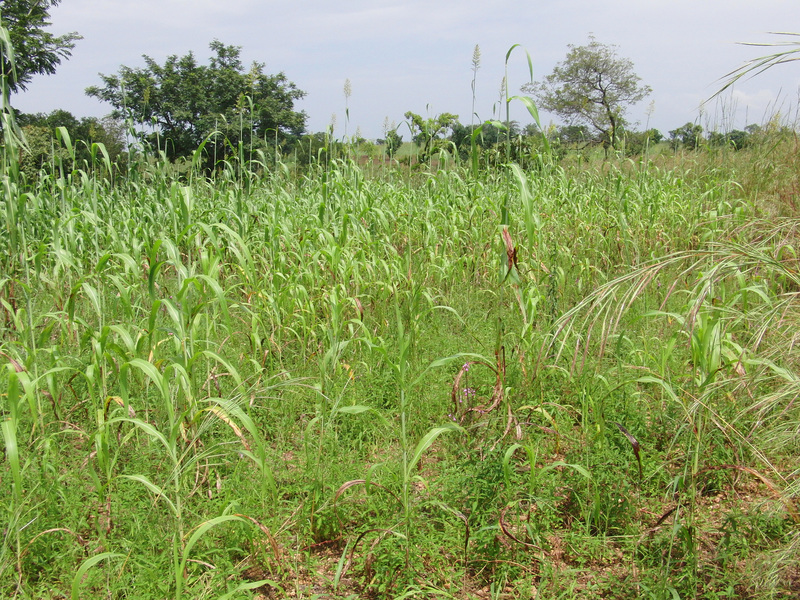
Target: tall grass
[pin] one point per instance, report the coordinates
(217, 388)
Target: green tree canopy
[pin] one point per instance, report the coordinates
(186, 101)
(574, 134)
(42, 147)
(393, 142)
(689, 135)
(36, 51)
(425, 131)
(592, 86)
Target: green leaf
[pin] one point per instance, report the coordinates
(85, 566)
(91, 292)
(426, 442)
(9, 428)
(158, 491)
(152, 275)
(200, 532)
(662, 384)
(152, 373)
(252, 585)
(219, 293)
(531, 106)
(507, 463)
(358, 409)
(577, 468)
(226, 364)
(149, 430)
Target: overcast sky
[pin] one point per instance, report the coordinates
(416, 55)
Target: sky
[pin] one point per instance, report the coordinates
(416, 55)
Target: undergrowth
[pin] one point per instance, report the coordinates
(554, 383)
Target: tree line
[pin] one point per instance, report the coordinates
(226, 109)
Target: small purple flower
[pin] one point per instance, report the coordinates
(465, 368)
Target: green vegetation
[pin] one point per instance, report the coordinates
(223, 105)
(521, 371)
(44, 150)
(339, 384)
(35, 51)
(425, 132)
(591, 87)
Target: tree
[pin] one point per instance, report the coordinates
(592, 86)
(186, 102)
(36, 51)
(638, 142)
(316, 148)
(574, 135)
(736, 139)
(461, 136)
(688, 136)
(393, 142)
(492, 133)
(425, 131)
(42, 147)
